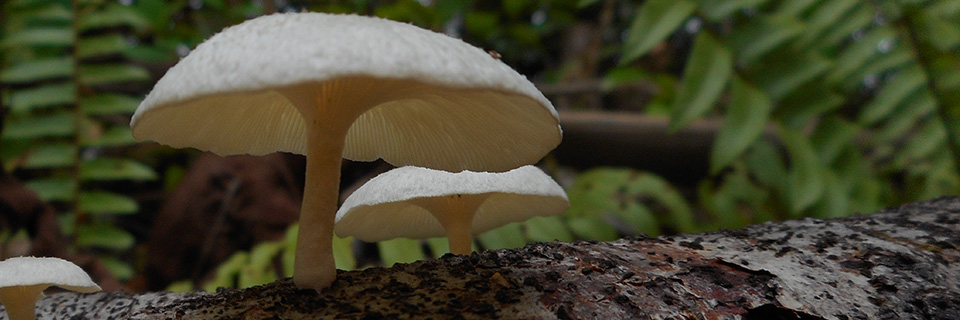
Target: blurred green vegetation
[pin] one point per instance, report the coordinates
(829, 107)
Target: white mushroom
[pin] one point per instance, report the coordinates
(421, 203)
(23, 279)
(362, 88)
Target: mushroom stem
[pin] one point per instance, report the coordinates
(20, 301)
(329, 110)
(459, 237)
(314, 266)
(455, 213)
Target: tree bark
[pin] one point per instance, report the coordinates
(900, 263)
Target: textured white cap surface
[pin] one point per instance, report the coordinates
(30, 271)
(380, 210)
(454, 108)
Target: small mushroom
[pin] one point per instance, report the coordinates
(23, 279)
(331, 86)
(419, 203)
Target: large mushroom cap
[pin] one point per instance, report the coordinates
(436, 101)
(45, 272)
(381, 209)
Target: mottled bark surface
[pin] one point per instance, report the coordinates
(901, 263)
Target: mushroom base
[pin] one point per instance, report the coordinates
(20, 301)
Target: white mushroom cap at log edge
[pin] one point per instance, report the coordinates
(391, 205)
(23, 279)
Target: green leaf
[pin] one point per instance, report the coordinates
(586, 3)
(343, 253)
(114, 15)
(38, 70)
(51, 13)
(45, 37)
(761, 35)
(833, 134)
(111, 137)
(51, 156)
(288, 258)
(112, 73)
(101, 202)
(228, 272)
(717, 10)
(592, 228)
(746, 117)
(894, 92)
(546, 229)
(807, 102)
(150, 54)
(103, 104)
(708, 68)
(900, 56)
(938, 32)
(43, 96)
(118, 268)
(920, 105)
(943, 69)
(835, 203)
(484, 24)
(115, 169)
(259, 269)
(795, 8)
(400, 250)
(508, 236)
(635, 218)
(620, 76)
(860, 53)
(823, 17)
(804, 182)
(53, 189)
(655, 20)
(593, 191)
(103, 235)
(679, 215)
(931, 137)
(785, 70)
(859, 19)
(55, 125)
(101, 46)
(180, 286)
(865, 191)
(438, 246)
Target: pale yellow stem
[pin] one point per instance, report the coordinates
(329, 111)
(455, 213)
(459, 236)
(20, 301)
(314, 266)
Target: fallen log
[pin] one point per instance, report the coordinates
(900, 263)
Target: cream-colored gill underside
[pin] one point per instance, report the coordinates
(408, 123)
(404, 219)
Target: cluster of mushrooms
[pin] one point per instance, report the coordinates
(345, 86)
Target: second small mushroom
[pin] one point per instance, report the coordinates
(23, 279)
(418, 203)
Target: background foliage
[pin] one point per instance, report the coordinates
(828, 107)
